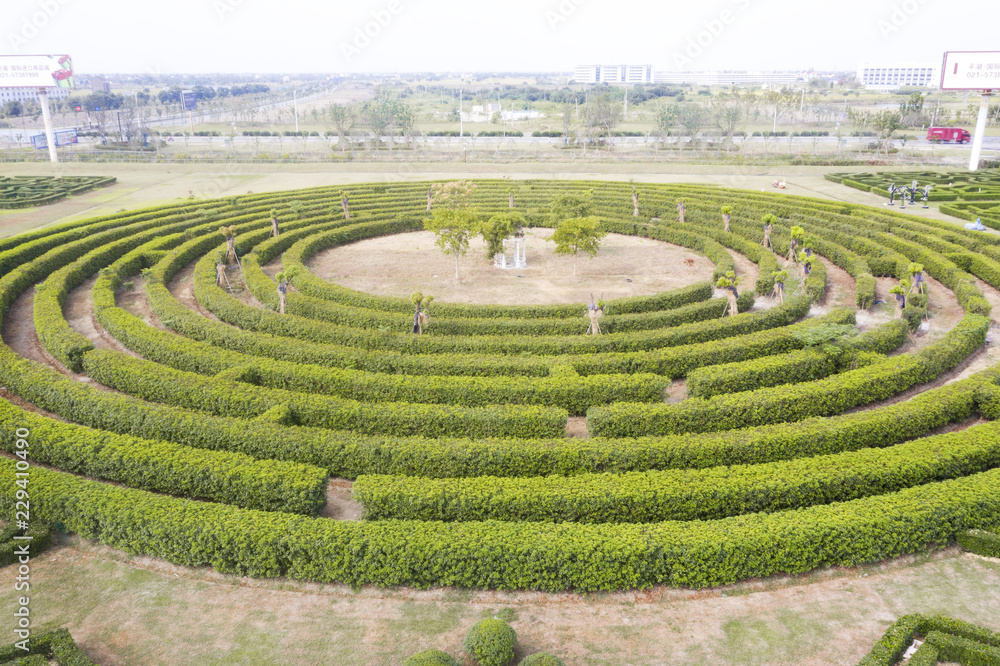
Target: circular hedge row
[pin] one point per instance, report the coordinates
(212, 428)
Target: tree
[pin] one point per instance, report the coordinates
(665, 116)
(886, 123)
(578, 234)
(565, 206)
(693, 118)
(453, 227)
(499, 228)
(602, 113)
(284, 279)
(727, 113)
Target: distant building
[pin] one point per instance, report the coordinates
(889, 76)
(726, 78)
(30, 94)
(99, 85)
(633, 74)
(521, 115)
(481, 113)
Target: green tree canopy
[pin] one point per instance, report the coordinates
(498, 228)
(578, 234)
(566, 206)
(453, 227)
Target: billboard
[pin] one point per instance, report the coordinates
(36, 71)
(189, 101)
(970, 70)
(63, 138)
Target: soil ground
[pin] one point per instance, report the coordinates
(400, 265)
(131, 610)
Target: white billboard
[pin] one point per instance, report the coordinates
(36, 71)
(970, 70)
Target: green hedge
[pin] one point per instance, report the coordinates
(951, 648)
(41, 538)
(823, 397)
(57, 645)
(224, 397)
(500, 555)
(980, 542)
(681, 360)
(238, 314)
(798, 366)
(718, 492)
(352, 454)
(233, 478)
(571, 392)
(898, 637)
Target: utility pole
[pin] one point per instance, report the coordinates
(50, 139)
(977, 139)
(295, 108)
(461, 120)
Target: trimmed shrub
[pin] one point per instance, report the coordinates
(640, 497)
(41, 538)
(980, 542)
(491, 642)
(57, 645)
(498, 555)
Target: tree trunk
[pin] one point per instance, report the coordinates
(274, 227)
(456, 265)
(281, 299)
(511, 199)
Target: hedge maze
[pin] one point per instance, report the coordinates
(208, 437)
(27, 191)
(968, 195)
(937, 639)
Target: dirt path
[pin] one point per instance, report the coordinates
(182, 288)
(829, 617)
(340, 503)
(133, 300)
(79, 312)
(840, 288)
(19, 333)
(576, 426)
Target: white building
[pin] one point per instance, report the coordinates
(587, 74)
(522, 115)
(889, 76)
(30, 94)
(613, 74)
(481, 113)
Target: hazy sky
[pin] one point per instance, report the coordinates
(468, 35)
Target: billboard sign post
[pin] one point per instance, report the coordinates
(41, 72)
(973, 71)
(189, 102)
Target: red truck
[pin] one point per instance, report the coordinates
(948, 134)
